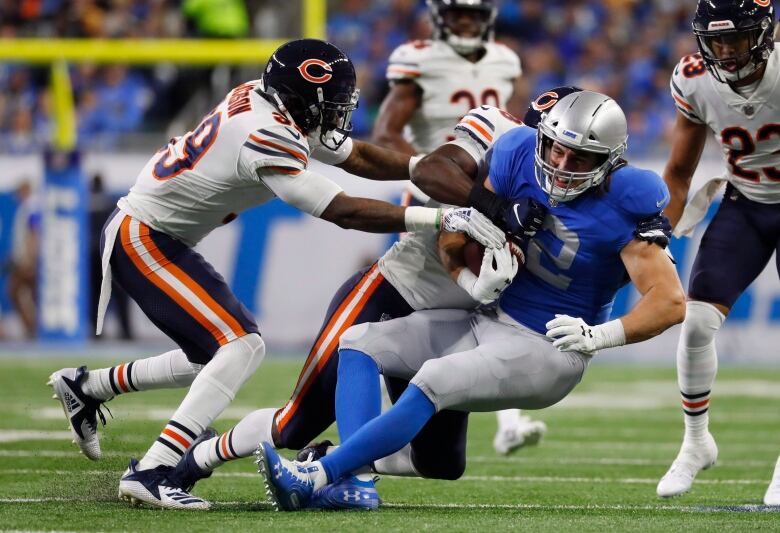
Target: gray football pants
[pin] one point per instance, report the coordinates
(470, 360)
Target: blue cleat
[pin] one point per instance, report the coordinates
(288, 484)
(187, 472)
(348, 493)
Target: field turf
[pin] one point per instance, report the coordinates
(596, 470)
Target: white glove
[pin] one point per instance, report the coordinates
(470, 221)
(492, 279)
(326, 155)
(574, 335)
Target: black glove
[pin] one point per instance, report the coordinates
(521, 219)
(656, 230)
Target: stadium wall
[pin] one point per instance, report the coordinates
(285, 266)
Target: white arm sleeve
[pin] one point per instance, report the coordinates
(308, 191)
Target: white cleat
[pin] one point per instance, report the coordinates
(772, 496)
(154, 487)
(527, 432)
(693, 458)
(80, 409)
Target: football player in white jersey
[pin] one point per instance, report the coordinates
(433, 83)
(252, 147)
(732, 88)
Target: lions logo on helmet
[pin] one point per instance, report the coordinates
(735, 37)
(314, 82)
(445, 28)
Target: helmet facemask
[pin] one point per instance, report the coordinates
(335, 118)
(743, 64)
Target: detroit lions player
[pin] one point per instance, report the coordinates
(251, 148)
(731, 88)
(433, 84)
(534, 349)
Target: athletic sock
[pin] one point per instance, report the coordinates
(169, 370)
(211, 392)
(397, 464)
(358, 392)
(381, 436)
(241, 441)
(508, 418)
(697, 365)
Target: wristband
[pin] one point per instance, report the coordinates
(610, 334)
(422, 218)
(413, 162)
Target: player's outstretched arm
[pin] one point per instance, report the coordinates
(688, 139)
(662, 304)
(376, 163)
(447, 174)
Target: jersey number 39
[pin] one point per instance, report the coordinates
(192, 146)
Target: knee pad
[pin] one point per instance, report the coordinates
(235, 362)
(350, 339)
(702, 322)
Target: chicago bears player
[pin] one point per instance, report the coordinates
(251, 148)
(534, 349)
(732, 88)
(433, 84)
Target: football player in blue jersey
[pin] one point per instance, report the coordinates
(551, 319)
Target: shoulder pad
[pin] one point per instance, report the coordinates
(406, 61)
(639, 193)
(282, 145)
(507, 54)
(682, 85)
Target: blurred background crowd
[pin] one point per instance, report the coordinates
(625, 48)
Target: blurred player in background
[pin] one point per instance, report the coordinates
(433, 84)
(254, 146)
(732, 88)
(552, 318)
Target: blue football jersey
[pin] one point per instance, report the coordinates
(573, 264)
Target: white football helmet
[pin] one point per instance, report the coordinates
(463, 45)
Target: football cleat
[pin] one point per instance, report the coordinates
(80, 409)
(772, 496)
(693, 457)
(314, 451)
(288, 484)
(349, 493)
(155, 487)
(527, 432)
(187, 472)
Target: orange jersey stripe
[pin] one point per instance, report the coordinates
(298, 155)
(399, 70)
(350, 320)
(161, 284)
(485, 133)
(182, 276)
(682, 102)
(178, 438)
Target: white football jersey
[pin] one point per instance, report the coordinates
(748, 129)
(412, 265)
(243, 154)
(451, 85)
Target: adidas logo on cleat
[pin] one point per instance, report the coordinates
(71, 402)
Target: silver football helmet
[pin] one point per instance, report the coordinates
(586, 121)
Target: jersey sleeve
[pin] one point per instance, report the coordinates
(275, 146)
(480, 128)
(308, 191)
(639, 194)
(404, 63)
(505, 159)
(681, 87)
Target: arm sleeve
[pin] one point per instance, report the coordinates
(274, 146)
(404, 64)
(678, 85)
(643, 194)
(308, 191)
(480, 128)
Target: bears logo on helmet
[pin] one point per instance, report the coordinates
(313, 82)
(544, 102)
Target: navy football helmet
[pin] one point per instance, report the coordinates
(544, 102)
(729, 25)
(485, 9)
(314, 82)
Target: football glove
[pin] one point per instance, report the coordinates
(473, 223)
(520, 219)
(499, 267)
(573, 334)
(656, 230)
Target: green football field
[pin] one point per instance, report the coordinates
(596, 470)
